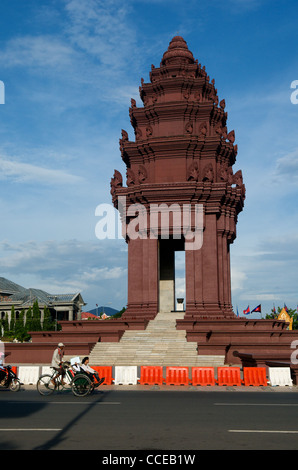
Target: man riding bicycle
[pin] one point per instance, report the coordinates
(57, 363)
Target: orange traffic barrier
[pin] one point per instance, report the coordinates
(106, 372)
(151, 375)
(203, 376)
(255, 376)
(177, 376)
(228, 376)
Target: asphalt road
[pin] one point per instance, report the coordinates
(150, 420)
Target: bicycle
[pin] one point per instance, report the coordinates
(79, 384)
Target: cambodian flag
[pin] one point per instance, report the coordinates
(286, 308)
(247, 311)
(257, 309)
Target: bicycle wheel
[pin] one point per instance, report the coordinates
(15, 385)
(81, 385)
(45, 385)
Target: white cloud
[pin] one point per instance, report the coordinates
(287, 168)
(65, 258)
(238, 279)
(96, 269)
(37, 52)
(27, 173)
(102, 29)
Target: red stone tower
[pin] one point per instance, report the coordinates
(182, 156)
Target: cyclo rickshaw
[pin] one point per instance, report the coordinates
(79, 383)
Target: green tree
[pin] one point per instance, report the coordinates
(28, 323)
(120, 313)
(6, 325)
(21, 334)
(48, 323)
(12, 321)
(36, 317)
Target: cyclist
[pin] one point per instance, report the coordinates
(57, 363)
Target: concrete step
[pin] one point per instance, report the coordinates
(160, 344)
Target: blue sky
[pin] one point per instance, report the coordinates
(70, 69)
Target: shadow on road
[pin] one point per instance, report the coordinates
(60, 436)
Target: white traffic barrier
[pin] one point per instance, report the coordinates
(126, 375)
(280, 376)
(28, 375)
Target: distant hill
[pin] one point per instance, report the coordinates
(107, 310)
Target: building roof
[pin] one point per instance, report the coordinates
(9, 287)
(14, 293)
(86, 315)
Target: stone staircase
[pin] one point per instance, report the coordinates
(160, 344)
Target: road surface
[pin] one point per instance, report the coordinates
(151, 420)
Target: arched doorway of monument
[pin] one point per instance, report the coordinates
(171, 275)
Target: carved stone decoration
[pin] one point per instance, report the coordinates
(138, 133)
(149, 131)
(130, 177)
(224, 133)
(116, 182)
(219, 130)
(203, 128)
(189, 128)
(186, 94)
(124, 135)
(230, 175)
(123, 139)
(198, 96)
(238, 179)
(193, 172)
(142, 174)
(222, 104)
(231, 136)
(213, 96)
(208, 172)
(223, 173)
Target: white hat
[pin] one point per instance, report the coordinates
(61, 345)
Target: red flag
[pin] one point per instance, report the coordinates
(257, 309)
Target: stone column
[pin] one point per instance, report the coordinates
(166, 276)
(142, 298)
(70, 314)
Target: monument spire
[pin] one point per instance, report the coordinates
(177, 52)
(183, 154)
